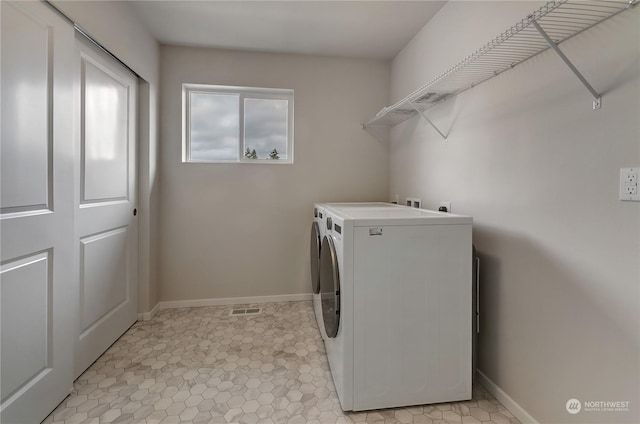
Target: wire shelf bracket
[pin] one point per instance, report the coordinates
(556, 21)
(424, 115)
(597, 98)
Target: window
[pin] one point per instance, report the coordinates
(237, 124)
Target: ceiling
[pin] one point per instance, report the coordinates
(362, 29)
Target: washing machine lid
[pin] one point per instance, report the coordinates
(330, 287)
(314, 256)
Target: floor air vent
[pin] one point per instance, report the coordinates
(245, 311)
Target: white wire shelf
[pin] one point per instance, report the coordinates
(545, 28)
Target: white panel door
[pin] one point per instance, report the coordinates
(106, 229)
(38, 289)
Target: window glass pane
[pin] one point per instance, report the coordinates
(265, 128)
(214, 126)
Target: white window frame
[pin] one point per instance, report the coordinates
(243, 93)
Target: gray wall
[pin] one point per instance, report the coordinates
(538, 170)
(237, 230)
(117, 28)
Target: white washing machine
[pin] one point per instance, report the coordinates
(396, 295)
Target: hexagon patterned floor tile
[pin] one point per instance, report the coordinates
(202, 365)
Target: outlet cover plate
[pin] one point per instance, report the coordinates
(629, 184)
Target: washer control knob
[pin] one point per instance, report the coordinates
(329, 223)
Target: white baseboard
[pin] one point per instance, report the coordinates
(146, 316)
(513, 407)
(170, 304)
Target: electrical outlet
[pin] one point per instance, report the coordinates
(446, 205)
(629, 189)
(413, 202)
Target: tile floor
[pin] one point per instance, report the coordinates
(201, 365)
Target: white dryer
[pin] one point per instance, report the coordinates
(317, 233)
(318, 229)
(396, 295)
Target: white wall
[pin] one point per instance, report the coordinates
(115, 26)
(538, 170)
(237, 230)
